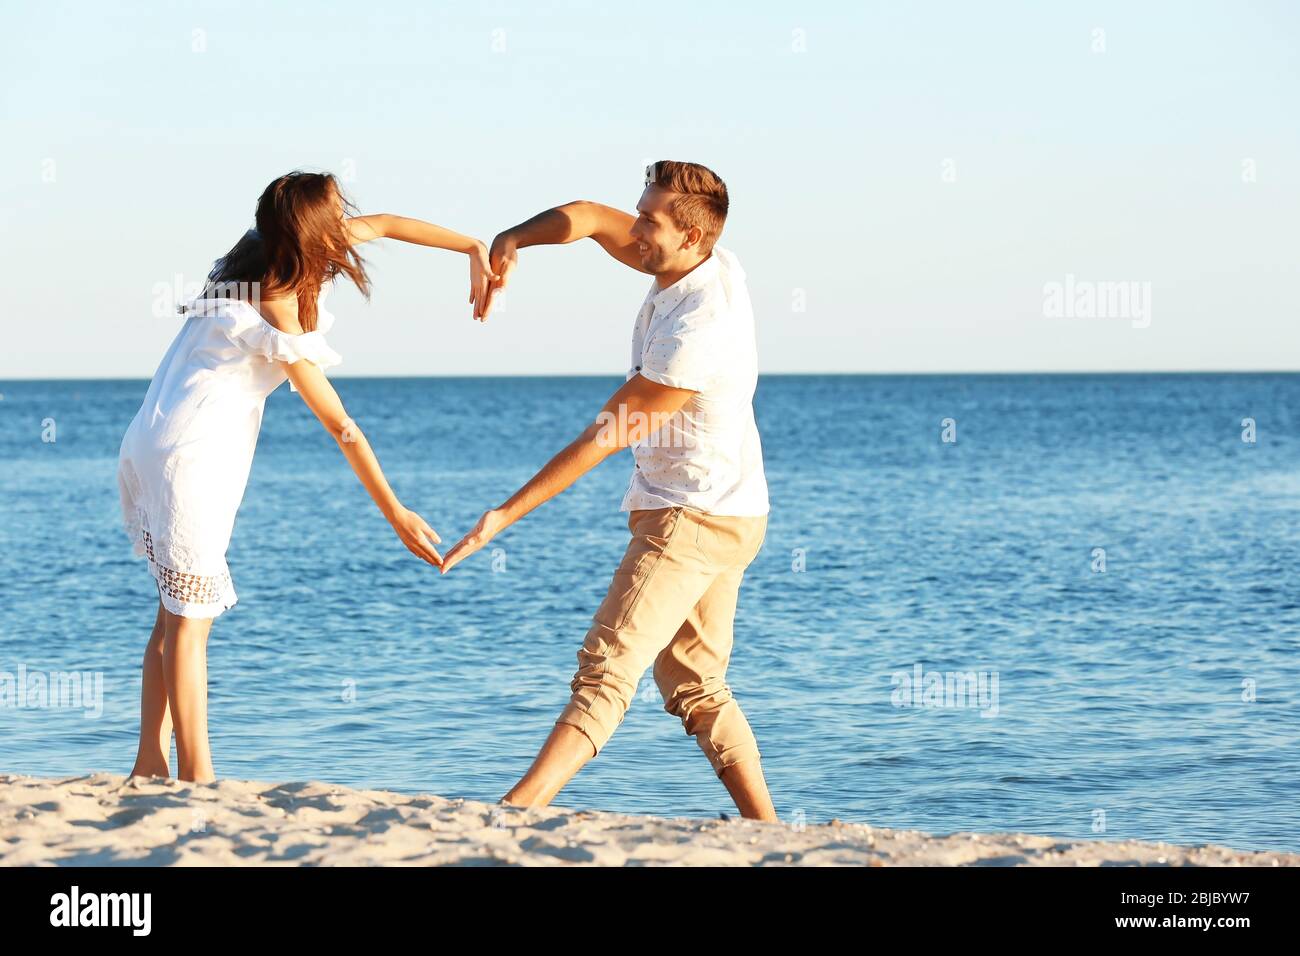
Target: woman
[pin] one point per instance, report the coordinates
(185, 458)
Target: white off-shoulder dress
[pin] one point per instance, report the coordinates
(185, 458)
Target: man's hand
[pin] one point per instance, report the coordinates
(502, 261)
(491, 524)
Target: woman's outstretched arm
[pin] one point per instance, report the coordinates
(387, 226)
(324, 402)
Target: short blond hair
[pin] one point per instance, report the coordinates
(702, 201)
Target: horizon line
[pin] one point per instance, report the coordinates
(613, 375)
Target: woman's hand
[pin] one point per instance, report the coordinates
(502, 261)
(320, 397)
(413, 530)
(480, 278)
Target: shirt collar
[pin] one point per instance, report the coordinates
(665, 300)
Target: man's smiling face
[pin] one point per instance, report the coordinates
(663, 245)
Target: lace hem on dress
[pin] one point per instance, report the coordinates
(189, 595)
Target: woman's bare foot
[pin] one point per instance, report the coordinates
(149, 770)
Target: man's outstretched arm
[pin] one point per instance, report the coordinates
(610, 227)
(638, 409)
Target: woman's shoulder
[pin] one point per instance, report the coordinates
(281, 314)
(238, 311)
(270, 330)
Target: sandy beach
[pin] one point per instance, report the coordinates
(105, 820)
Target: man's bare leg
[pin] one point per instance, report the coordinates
(565, 752)
(745, 782)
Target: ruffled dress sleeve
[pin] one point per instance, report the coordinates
(266, 341)
(253, 335)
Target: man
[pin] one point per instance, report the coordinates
(697, 501)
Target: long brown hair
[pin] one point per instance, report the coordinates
(300, 242)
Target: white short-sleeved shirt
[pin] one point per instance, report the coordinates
(698, 334)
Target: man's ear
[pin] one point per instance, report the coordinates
(693, 236)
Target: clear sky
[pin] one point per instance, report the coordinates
(907, 179)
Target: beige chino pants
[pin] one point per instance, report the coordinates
(671, 603)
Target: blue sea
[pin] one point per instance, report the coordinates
(1105, 558)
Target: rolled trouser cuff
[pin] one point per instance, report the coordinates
(722, 759)
(591, 728)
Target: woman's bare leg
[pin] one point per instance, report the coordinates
(155, 716)
(185, 670)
